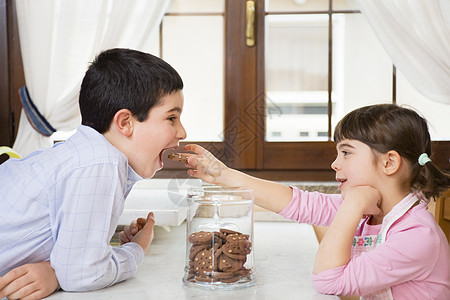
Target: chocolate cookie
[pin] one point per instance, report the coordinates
(204, 262)
(204, 278)
(195, 249)
(201, 237)
(218, 256)
(242, 272)
(231, 279)
(222, 275)
(237, 247)
(228, 231)
(228, 264)
(220, 237)
(226, 277)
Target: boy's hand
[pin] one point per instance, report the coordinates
(30, 281)
(129, 231)
(139, 231)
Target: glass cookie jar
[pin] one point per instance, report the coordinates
(219, 242)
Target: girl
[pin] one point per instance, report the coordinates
(381, 242)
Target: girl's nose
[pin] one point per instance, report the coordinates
(334, 165)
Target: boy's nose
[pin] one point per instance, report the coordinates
(181, 134)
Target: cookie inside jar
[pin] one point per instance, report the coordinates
(219, 257)
(219, 250)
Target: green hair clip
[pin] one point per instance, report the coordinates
(423, 159)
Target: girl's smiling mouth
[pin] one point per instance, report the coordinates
(342, 181)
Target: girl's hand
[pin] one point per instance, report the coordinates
(206, 166)
(271, 195)
(364, 198)
(334, 252)
(139, 231)
(30, 281)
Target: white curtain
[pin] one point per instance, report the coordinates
(416, 35)
(59, 39)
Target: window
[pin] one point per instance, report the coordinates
(313, 61)
(193, 43)
(268, 109)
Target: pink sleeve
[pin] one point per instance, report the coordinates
(401, 258)
(312, 207)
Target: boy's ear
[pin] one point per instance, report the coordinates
(123, 121)
(392, 162)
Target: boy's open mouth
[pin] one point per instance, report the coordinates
(164, 150)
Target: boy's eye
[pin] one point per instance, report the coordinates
(172, 119)
(344, 152)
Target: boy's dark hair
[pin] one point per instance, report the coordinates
(386, 127)
(124, 78)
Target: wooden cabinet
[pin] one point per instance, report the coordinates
(441, 211)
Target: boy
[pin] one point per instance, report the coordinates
(62, 204)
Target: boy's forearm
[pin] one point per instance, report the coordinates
(268, 194)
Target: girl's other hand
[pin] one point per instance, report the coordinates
(365, 198)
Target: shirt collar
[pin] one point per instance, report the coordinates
(132, 176)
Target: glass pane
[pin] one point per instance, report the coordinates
(196, 6)
(296, 77)
(345, 5)
(309, 5)
(194, 46)
(296, 5)
(434, 112)
(362, 70)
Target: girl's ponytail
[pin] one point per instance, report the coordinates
(429, 178)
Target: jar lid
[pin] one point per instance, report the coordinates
(214, 195)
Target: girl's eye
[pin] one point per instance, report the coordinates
(345, 153)
(172, 119)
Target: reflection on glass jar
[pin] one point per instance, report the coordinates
(219, 242)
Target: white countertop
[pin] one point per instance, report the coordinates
(283, 258)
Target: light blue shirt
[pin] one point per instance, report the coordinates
(62, 204)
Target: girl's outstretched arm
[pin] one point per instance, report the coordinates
(268, 194)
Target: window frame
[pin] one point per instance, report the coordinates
(11, 74)
(244, 147)
(244, 106)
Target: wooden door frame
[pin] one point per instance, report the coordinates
(244, 102)
(11, 73)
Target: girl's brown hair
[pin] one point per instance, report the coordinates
(387, 127)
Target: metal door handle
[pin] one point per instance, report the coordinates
(250, 28)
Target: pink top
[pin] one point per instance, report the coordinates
(414, 260)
